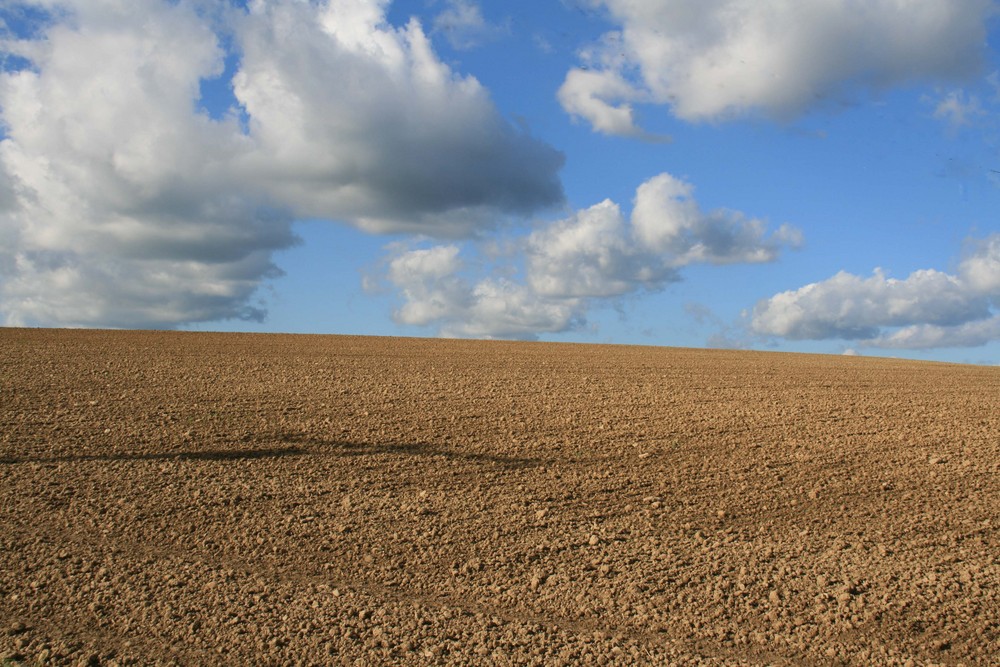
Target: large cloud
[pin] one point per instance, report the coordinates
(356, 119)
(717, 59)
(927, 309)
(122, 203)
(572, 264)
(126, 210)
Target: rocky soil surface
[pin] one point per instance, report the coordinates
(234, 499)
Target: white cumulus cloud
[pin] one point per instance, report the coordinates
(710, 60)
(126, 210)
(571, 265)
(980, 268)
(927, 309)
(357, 119)
(926, 336)
(602, 98)
(592, 254)
(669, 222)
(429, 283)
(434, 292)
(124, 203)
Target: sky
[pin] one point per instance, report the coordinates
(791, 175)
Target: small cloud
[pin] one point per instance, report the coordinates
(725, 340)
(601, 98)
(994, 82)
(463, 25)
(727, 337)
(700, 313)
(593, 254)
(927, 336)
(668, 221)
(604, 99)
(542, 43)
(927, 309)
(958, 109)
(434, 292)
(373, 282)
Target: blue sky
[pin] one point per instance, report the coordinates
(811, 176)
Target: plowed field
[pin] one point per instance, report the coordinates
(235, 499)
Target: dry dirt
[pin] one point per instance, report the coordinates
(235, 499)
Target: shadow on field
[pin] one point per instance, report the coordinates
(411, 449)
(321, 446)
(211, 455)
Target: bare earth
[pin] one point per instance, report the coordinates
(260, 499)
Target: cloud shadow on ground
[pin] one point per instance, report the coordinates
(208, 455)
(345, 448)
(317, 446)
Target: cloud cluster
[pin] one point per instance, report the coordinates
(124, 203)
(927, 309)
(725, 58)
(594, 255)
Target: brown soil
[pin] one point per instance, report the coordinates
(260, 499)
